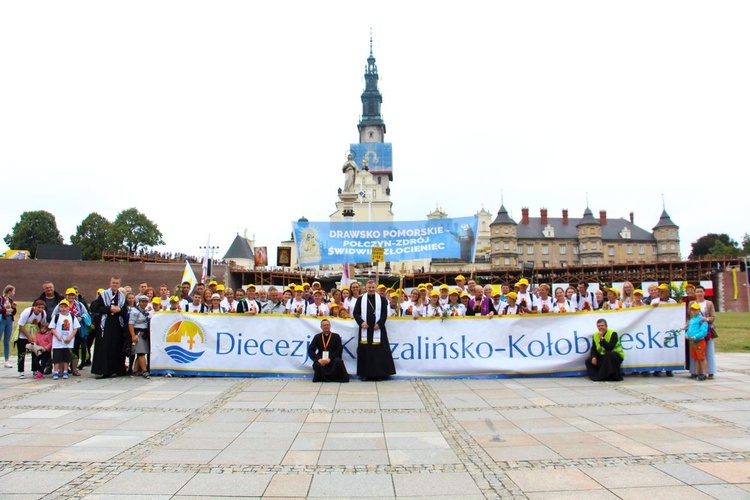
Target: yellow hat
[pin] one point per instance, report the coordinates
(64, 302)
(156, 300)
(613, 290)
(460, 277)
(318, 292)
(512, 295)
(219, 287)
(389, 290)
(444, 286)
(174, 298)
(381, 287)
(429, 285)
(434, 293)
(71, 291)
(663, 286)
(422, 286)
(333, 306)
(316, 283)
(248, 287)
(212, 282)
(465, 294)
(395, 295)
(344, 288)
(695, 305)
(99, 290)
(305, 284)
(496, 293)
(299, 288)
(638, 291)
(455, 290)
(522, 281)
(689, 285)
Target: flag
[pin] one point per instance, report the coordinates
(345, 279)
(204, 264)
(189, 276)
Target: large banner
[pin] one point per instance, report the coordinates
(321, 243)
(379, 156)
(533, 345)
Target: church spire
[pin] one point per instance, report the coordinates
(371, 97)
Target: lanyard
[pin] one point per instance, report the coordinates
(323, 339)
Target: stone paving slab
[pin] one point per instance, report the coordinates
(455, 438)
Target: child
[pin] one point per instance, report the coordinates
(41, 351)
(696, 330)
(63, 327)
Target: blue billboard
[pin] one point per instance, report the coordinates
(321, 243)
(379, 156)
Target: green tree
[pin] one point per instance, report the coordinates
(132, 231)
(721, 249)
(93, 236)
(746, 244)
(703, 245)
(34, 228)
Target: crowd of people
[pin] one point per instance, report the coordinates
(64, 334)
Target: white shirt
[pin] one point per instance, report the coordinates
(28, 316)
(315, 310)
(64, 326)
(539, 304)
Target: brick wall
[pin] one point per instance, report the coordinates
(725, 300)
(27, 275)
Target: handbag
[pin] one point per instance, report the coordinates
(712, 332)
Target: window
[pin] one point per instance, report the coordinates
(611, 251)
(575, 250)
(530, 249)
(380, 179)
(653, 250)
(496, 262)
(507, 261)
(545, 249)
(564, 263)
(672, 247)
(585, 261)
(663, 246)
(583, 232)
(584, 247)
(593, 260)
(506, 245)
(505, 230)
(497, 246)
(642, 249)
(563, 249)
(593, 246)
(629, 249)
(545, 263)
(496, 231)
(671, 233)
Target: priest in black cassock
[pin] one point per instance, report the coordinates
(325, 351)
(374, 359)
(109, 358)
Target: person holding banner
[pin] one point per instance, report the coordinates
(374, 358)
(326, 351)
(606, 355)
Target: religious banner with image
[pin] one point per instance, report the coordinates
(320, 243)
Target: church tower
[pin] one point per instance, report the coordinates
(366, 196)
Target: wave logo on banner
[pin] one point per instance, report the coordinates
(186, 342)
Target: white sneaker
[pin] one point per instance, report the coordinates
(21, 375)
(8, 364)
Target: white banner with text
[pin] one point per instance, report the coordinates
(532, 345)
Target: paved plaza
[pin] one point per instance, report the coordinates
(289, 438)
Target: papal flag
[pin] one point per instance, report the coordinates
(189, 276)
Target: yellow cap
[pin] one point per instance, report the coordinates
(695, 305)
(344, 288)
(381, 287)
(638, 291)
(522, 281)
(465, 294)
(71, 291)
(64, 302)
(394, 295)
(663, 286)
(174, 298)
(99, 290)
(434, 293)
(460, 277)
(219, 287)
(212, 282)
(455, 290)
(511, 295)
(444, 287)
(156, 300)
(305, 284)
(248, 287)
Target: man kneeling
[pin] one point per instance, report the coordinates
(325, 350)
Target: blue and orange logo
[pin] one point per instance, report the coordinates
(187, 341)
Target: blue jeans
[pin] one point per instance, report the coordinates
(6, 331)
